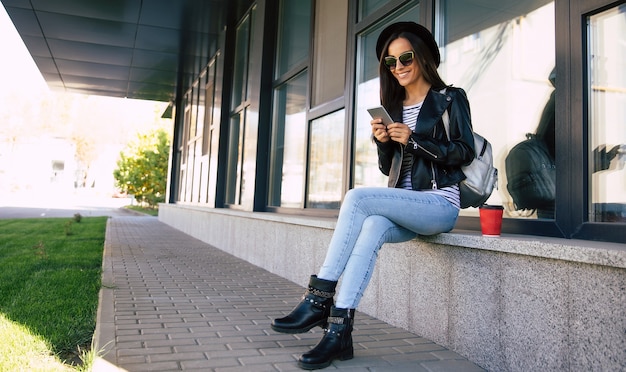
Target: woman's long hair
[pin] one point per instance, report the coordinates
(392, 94)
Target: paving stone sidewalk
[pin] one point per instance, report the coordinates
(173, 303)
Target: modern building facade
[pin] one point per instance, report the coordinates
(269, 102)
(291, 111)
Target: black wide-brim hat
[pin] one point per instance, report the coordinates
(414, 28)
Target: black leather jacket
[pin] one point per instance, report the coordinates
(437, 161)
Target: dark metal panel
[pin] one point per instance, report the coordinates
(162, 13)
(72, 50)
(46, 65)
(89, 69)
(112, 10)
(161, 61)
(153, 76)
(36, 46)
(92, 91)
(158, 39)
(82, 82)
(81, 38)
(53, 79)
(17, 3)
(88, 30)
(141, 90)
(25, 22)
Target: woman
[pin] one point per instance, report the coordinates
(423, 194)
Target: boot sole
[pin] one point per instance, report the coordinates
(346, 355)
(321, 323)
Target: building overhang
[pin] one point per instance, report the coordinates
(119, 48)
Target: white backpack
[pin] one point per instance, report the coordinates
(481, 176)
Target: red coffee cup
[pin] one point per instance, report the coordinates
(491, 219)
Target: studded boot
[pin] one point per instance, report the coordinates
(336, 343)
(313, 310)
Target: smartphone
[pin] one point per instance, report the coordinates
(380, 112)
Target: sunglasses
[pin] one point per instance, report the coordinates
(405, 58)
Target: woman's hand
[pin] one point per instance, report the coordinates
(379, 130)
(399, 132)
(396, 132)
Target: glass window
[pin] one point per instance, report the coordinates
(209, 96)
(243, 133)
(329, 64)
(326, 161)
(288, 148)
(367, 7)
(293, 34)
(201, 104)
(240, 63)
(212, 134)
(182, 190)
(607, 115)
(235, 159)
(193, 125)
(287, 157)
(189, 172)
(197, 173)
(499, 52)
(366, 172)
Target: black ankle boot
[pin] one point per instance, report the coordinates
(336, 343)
(312, 311)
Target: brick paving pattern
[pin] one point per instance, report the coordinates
(173, 303)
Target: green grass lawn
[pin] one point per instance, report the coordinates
(49, 283)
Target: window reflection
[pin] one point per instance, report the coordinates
(326, 161)
(293, 34)
(289, 144)
(607, 115)
(367, 7)
(366, 172)
(329, 56)
(241, 129)
(530, 165)
(241, 62)
(289, 124)
(503, 54)
(235, 154)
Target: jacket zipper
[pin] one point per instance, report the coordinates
(432, 166)
(417, 145)
(433, 181)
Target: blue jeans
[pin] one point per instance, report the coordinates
(371, 216)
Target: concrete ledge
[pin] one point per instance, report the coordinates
(513, 303)
(590, 252)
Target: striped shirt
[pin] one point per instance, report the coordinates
(450, 193)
